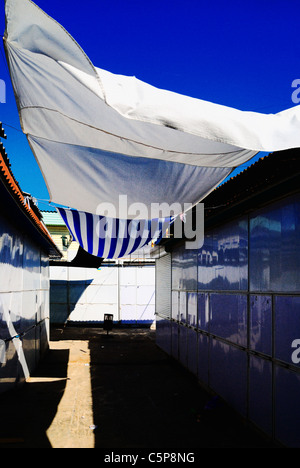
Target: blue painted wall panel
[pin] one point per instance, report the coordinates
(261, 324)
(184, 269)
(287, 408)
(192, 299)
(287, 327)
(163, 334)
(182, 345)
(275, 247)
(222, 261)
(228, 374)
(192, 350)
(203, 353)
(183, 307)
(24, 305)
(228, 317)
(203, 311)
(175, 339)
(244, 322)
(260, 393)
(175, 305)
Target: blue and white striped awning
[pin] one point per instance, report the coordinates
(109, 237)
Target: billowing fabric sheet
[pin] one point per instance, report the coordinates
(97, 135)
(111, 238)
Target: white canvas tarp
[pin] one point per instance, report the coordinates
(97, 135)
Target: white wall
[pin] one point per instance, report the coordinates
(85, 295)
(24, 305)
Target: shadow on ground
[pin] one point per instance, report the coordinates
(143, 398)
(27, 411)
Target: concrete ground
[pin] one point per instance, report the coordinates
(116, 391)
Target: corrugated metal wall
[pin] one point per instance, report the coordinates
(24, 305)
(235, 316)
(86, 294)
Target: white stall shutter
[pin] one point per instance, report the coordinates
(163, 286)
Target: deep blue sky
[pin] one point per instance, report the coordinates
(240, 54)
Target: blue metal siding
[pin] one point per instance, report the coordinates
(261, 324)
(228, 373)
(184, 269)
(287, 408)
(228, 317)
(236, 315)
(192, 309)
(203, 358)
(203, 311)
(275, 248)
(192, 360)
(223, 259)
(24, 305)
(260, 393)
(164, 334)
(287, 326)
